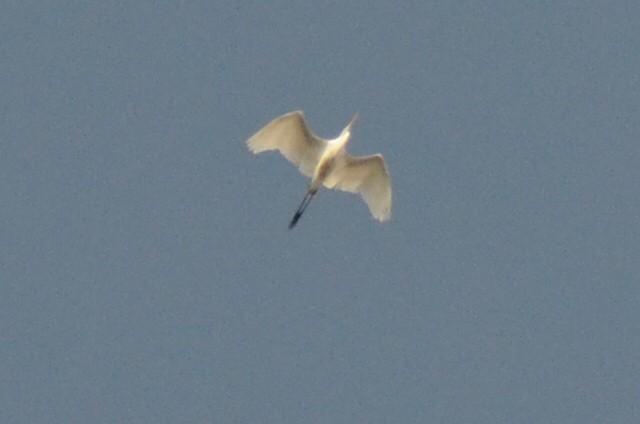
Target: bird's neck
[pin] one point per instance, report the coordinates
(342, 139)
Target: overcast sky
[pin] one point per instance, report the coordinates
(146, 270)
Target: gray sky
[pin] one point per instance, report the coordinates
(147, 272)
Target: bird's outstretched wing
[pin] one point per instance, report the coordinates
(368, 176)
(290, 135)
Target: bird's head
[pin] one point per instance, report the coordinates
(347, 130)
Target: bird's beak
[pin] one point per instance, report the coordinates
(353, 121)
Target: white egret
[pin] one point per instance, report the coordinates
(327, 163)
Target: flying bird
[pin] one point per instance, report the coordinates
(327, 163)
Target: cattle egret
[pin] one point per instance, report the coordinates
(327, 163)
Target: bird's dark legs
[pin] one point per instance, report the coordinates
(301, 208)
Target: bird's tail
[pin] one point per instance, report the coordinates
(301, 208)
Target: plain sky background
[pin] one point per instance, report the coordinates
(147, 274)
